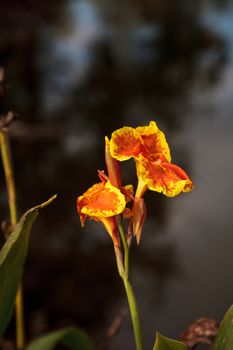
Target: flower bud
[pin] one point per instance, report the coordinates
(139, 216)
(113, 166)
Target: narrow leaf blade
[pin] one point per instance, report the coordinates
(12, 257)
(164, 343)
(73, 338)
(224, 339)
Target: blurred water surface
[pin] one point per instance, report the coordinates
(77, 70)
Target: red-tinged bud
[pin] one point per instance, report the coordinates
(129, 235)
(113, 166)
(103, 177)
(139, 216)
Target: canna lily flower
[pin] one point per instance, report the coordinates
(150, 150)
(102, 202)
(148, 146)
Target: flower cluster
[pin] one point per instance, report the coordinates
(104, 201)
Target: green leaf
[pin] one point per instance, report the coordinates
(224, 339)
(164, 343)
(73, 338)
(12, 257)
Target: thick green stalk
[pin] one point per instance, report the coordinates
(11, 194)
(124, 266)
(134, 314)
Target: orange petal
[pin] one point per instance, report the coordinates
(125, 143)
(166, 178)
(82, 200)
(101, 200)
(154, 142)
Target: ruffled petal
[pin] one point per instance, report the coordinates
(101, 200)
(154, 142)
(84, 199)
(166, 178)
(125, 143)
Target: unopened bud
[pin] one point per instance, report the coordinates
(139, 216)
(113, 166)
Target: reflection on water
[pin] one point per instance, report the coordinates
(69, 52)
(78, 70)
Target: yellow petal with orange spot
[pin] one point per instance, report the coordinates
(84, 199)
(152, 128)
(166, 178)
(101, 200)
(125, 143)
(154, 142)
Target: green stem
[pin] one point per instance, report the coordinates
(8, 169)
(119, 261)
(11, 194)
(134, 314)
(126, 249)
(123, 269)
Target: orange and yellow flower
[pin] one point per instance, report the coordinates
(148, 146)
(102, 202)
(150, 150)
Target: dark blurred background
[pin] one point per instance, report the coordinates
(76, 71)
